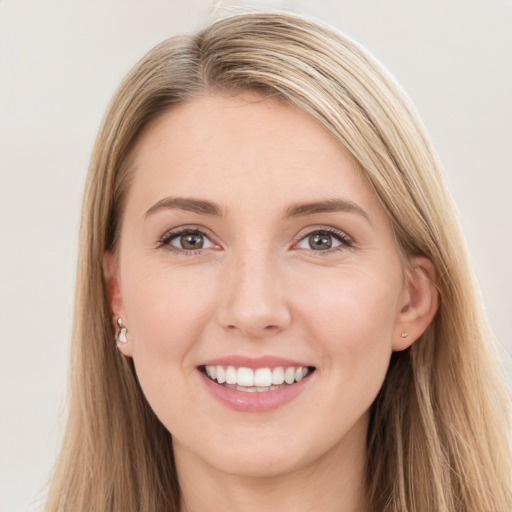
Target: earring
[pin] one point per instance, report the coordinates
(404, 334)
(121, 334)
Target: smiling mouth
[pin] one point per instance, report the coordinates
(256, 380)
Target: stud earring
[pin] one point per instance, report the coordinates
(404, 334)
(121, 334)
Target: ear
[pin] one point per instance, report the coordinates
(419, 304)
(111, 279)
(110, 271)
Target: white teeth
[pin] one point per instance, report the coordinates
(221, 375)
(263, 377)
(251, 389)
(258, 380)
(245, 377)
(289, 375)
(278, 376)
(231, 375)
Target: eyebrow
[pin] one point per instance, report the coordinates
(204, 207)
(200, 206)
(328, 206)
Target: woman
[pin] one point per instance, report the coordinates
(274, 306)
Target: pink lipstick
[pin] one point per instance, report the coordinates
(255, 384)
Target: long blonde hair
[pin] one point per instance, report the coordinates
(438, 434)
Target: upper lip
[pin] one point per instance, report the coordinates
(267, 361)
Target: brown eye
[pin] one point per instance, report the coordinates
(320, 241)
(189, 241)
(324, 240)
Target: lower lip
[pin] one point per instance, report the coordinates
(243, 401)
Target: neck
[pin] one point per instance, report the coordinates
(333, 482)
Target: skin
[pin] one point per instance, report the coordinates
(257, 287)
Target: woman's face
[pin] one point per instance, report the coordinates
(252, 249)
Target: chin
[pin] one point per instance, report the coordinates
(258, 463)
(249, 452)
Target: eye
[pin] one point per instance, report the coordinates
(187, 240)
(324, 240)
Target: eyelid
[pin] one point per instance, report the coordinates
(165, 240)
(346, 241)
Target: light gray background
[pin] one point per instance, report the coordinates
(60, 63)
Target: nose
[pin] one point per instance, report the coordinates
(254, 302)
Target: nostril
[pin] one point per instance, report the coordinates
(254, 331)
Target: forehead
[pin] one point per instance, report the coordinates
(243, 149)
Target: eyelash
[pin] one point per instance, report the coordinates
(165, 241)
(345, 241)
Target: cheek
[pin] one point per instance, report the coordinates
(167, 311)
(352, 318)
